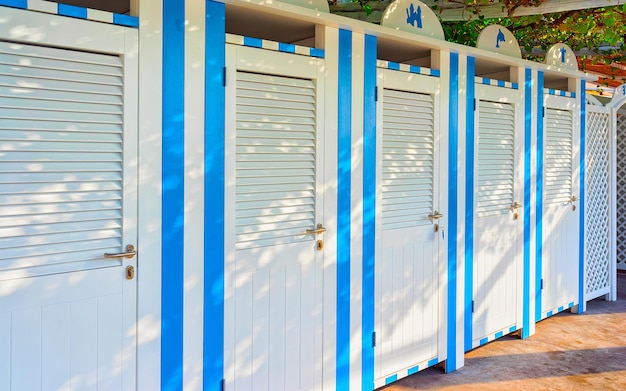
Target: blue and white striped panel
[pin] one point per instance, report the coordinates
(408, 68)
(493, 337)
(73, 12)
(496, 83)
(551, 91)
(556, 310)
(272, 45)
(405, 372)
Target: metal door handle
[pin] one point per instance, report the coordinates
(573, 199)
(130, 252)
(319, 230)
(515, 206)
(435, 216)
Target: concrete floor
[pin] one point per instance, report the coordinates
(568, 352)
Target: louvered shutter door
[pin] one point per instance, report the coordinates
(495, 170)
(275, 162)
(60, 156)
(408, 159)
(558, 156)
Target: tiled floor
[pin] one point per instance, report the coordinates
(568, 352)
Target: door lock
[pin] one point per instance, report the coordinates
(130, 272)
(320, 245)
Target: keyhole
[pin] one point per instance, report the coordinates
(320, 245)
(573, 207)
(436, 227)
(515, 215)
(130, 272)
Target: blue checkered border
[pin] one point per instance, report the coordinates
(494, 336)
(408, 68)
(554, 92)
(556, 310)
(275, 46)
(405, 372)
(496, 83)
(73, 12)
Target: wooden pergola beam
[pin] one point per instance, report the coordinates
(547, 7)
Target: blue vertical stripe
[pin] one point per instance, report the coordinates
(214, 139)
(469, 200)
(369, 211)
(581, 245)
(344, 163)
(173, 150)
(539, 198)
(528, 116)
(453, 118)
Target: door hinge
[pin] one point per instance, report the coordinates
(223, 385)
(473, 306)
(373, 339)
(542, 283)
(376, 94)
(474, 104)
(224, 76)
(543, 114)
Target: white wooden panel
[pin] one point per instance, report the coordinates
(61, 119)
(498, 234)
(26, 349)
(56, 341)
(408, 158)
(84, 346)
(408, 272)
(110, 342)
(67, 143)
(5, 350)
(560, 247)
(275, 190)
(558, 155)
(495, 158)
(274, 139)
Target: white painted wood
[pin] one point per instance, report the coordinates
(25, 349)
(272, 301)
(498, 244)
(193, 318)
(56, 342)
(560, 222)
(546, 7)
(5, 351)
(328, 39)
(356, 210)
(409, 280)
(149, 186)
(68, 189)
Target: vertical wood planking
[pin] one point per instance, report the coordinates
(278, 327)
(243, 331)
(5, 351)
(26, 350)
(55, 350)
(84, 344)
(293, 296)
(110, 342)
(260, 328)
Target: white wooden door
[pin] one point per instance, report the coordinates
(560, 214)
(67, 196)
(410, 258)
(498, 224)
(274, 194)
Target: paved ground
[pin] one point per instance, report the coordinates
(568, 352)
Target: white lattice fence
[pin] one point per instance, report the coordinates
(598, 203)
(621, 192)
